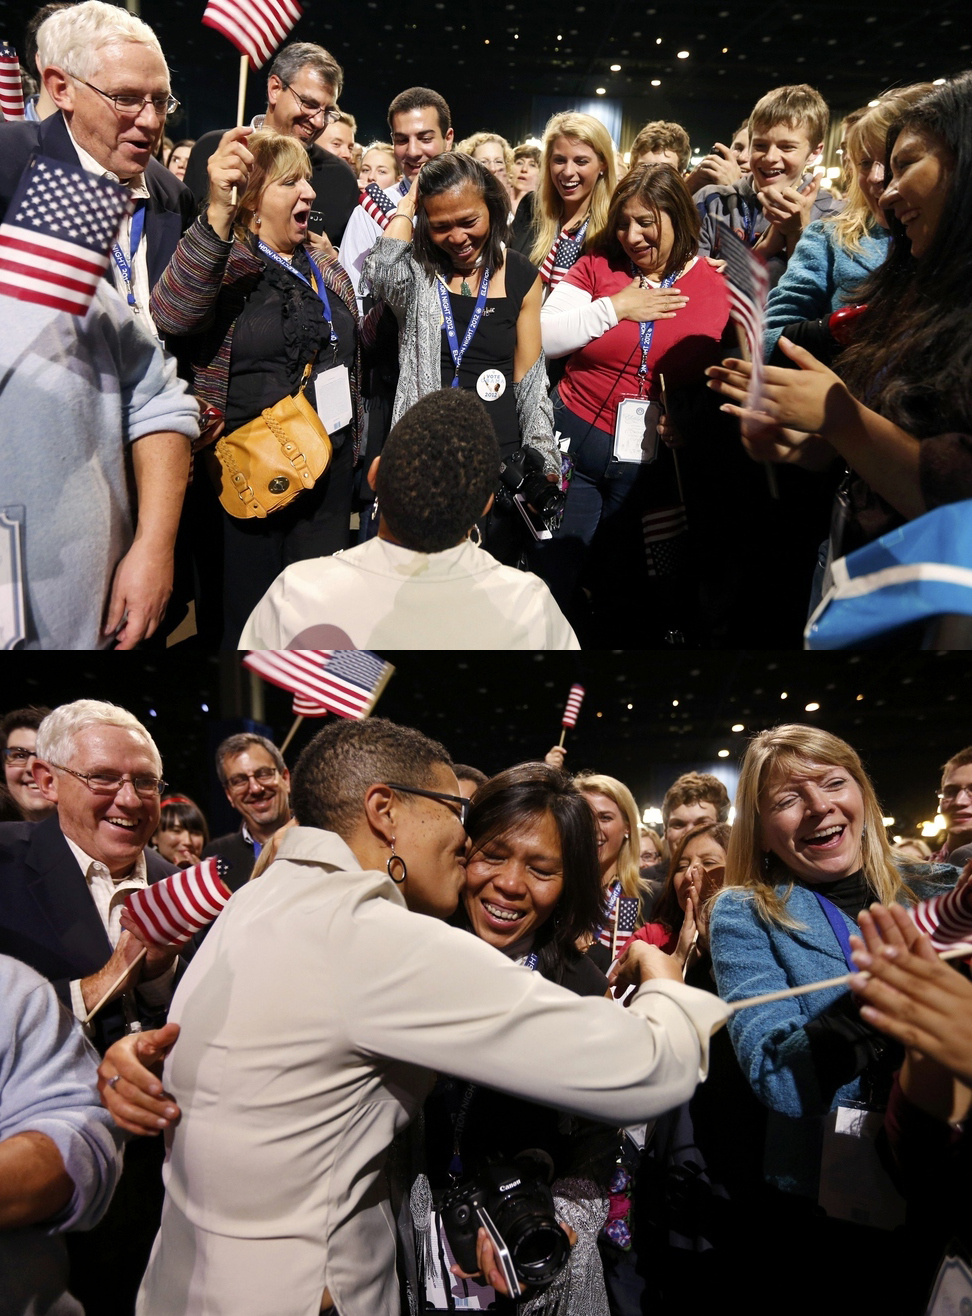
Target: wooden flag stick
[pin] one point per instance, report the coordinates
(121, 978)
(240, 103)
(954, 953)
(563, 736)
(291, 733)
(678, 473)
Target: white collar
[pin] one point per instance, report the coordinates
(138, 876)
(136, 184)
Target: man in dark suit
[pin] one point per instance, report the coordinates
(303, 84)
(254, 776)
(63, 883)
(123, 60)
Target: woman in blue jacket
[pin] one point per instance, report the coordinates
(808, 852)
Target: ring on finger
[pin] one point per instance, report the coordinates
(113, 1081)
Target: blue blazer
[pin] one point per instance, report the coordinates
(751, 958)
(48, 918)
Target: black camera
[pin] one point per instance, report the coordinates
(523, 474)
(517, 1209)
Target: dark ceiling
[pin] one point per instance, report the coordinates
(495, 709)
(491, 61)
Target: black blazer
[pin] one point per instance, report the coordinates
(238, 853)
(49, 920)
(170, 208)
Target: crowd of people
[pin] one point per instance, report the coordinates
(337, 1069)
(284, 297)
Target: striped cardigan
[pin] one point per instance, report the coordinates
(199, 298)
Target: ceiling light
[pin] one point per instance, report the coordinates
(859, 698)
(811, 708)
(600, 90)
(652, 815)
(600, 714)
(723, 753)
(784, 695)
(897, 839)
(871, 104)
(615, 68)
(631, 705)
(738, 726)
(658, 41)
(674, 703)
(656, 82)
(725, 50)
(887, 822)
(682, 54)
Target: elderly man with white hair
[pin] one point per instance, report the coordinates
(104, 70)
(63, 883)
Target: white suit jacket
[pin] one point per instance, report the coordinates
(313, 1019)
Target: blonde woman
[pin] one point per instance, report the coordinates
(569, 209)
(379, 164)
(618, 851)
(808, 852)
(835, 255)
(493, 153)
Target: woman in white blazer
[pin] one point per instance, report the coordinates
(312, 1021)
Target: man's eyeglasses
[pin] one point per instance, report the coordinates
(110, 783)
(949, 794)
(240, 780)
(17, 755)
(129, 104)
(312, 109)
(459, 800)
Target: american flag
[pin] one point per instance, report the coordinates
(11, 87)
(255, 27)
(572, 707)
(378, 204)
(169, 912)
(664, 528)
(627, 922)
(343, 681)
(58, 231)
(748, 282)
(565, 253)
(305, 707)
(946, 919)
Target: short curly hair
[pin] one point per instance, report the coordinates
(438, 468)
(339, 765)
(660, 135)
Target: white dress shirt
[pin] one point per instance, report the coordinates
(140, 275)
(360, 236)
(380, 595)
(109, 897)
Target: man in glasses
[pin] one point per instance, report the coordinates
(302, 87)
(955, 806)
(105, 71)
(254, 776)
(63, 883)
(18, 740)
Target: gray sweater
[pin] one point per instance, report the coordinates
(398, 279)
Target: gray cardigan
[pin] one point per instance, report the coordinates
(397, 278)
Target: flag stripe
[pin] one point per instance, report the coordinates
(169, 912)
(49, 249)
(255, 27)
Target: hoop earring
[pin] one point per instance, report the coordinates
(388, 867)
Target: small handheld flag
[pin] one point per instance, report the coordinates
(57, 234)
(748, 282)
(169, 912)
(572, 707)
(378, 204)
(11, 86)
(946, 919)
(255, 27)
(343, 681)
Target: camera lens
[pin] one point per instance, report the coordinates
(538, 1248)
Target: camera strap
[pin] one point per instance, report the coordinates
(449, 322)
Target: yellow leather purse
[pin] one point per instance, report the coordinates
(264, 465)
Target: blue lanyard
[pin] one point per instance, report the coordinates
(836, 920)
(125, 266)
(646, 329)
(450, 325)
(321, 290)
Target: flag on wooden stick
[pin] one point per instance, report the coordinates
(946, 919)
(169, 912)
(343, 681)
(572, 707)
(255, 27)
(747, 279)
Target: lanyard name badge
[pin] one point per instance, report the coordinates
(332, 388)
(636, 428)
(125, 266)
(457, 351)
(854, 1184)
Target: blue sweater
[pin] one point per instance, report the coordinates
(820, 276)
(751, 957)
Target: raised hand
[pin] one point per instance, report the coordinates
(787, 209)
(229, 167)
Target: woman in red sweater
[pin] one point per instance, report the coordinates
(640, 317)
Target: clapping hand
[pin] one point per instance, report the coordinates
(788, 209)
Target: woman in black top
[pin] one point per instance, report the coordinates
(532, 888)
(468, 312)
(249, 303)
